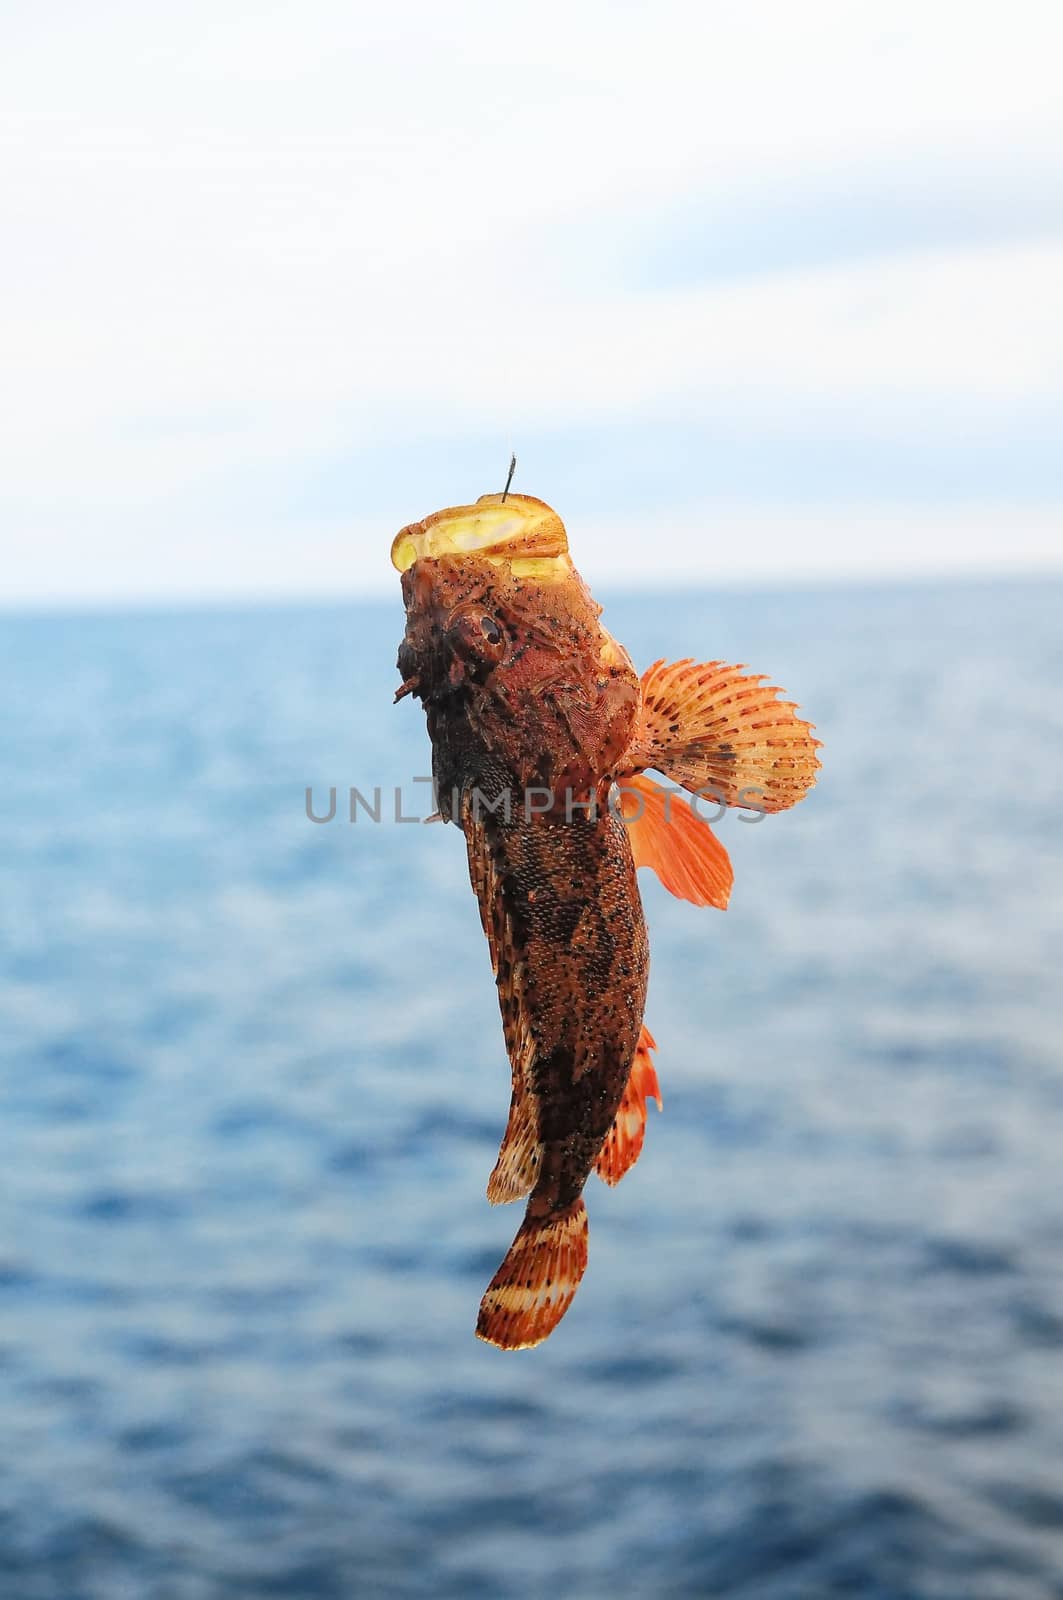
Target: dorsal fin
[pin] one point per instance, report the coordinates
(520, 1154)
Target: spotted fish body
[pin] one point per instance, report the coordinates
(535, 713)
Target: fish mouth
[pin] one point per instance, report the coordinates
(516, 529)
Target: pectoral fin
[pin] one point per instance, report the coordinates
(623, 1142)
(716, 730)
(665, 834)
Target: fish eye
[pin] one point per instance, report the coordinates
(477, 635)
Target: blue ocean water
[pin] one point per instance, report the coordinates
(253, 1083)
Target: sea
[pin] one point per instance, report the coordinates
(252, 1083)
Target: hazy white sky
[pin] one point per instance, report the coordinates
(753, 290)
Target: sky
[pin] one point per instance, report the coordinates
(758, 293)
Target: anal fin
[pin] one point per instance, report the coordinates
(623, 1142)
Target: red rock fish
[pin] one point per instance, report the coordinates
(538, 722)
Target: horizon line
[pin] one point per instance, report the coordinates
(31, 607)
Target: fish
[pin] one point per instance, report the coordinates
(542, 734)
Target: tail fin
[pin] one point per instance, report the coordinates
(534, 1286)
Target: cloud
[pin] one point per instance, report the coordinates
(257, 252)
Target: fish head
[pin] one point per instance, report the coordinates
(472, 580)
(503, 635)
(457, 631)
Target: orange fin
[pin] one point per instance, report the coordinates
(534, 1286)
(711, 727)
(623, 1142)
(667, 835)
(517, 1166)
(518, 1159)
